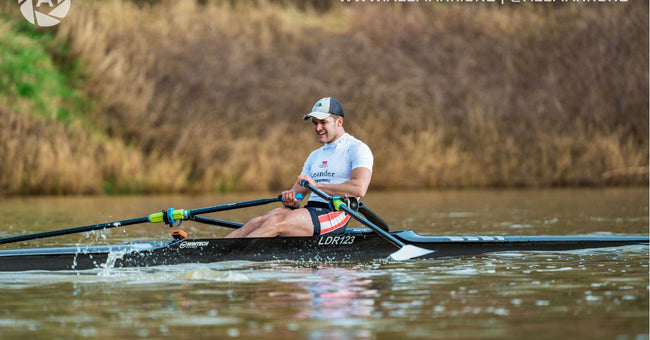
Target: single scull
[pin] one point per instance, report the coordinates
(354, 245)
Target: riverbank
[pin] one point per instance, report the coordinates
(167, 96)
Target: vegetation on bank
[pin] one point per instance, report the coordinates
(185, 96)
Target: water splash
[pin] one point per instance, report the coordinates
(113, 256)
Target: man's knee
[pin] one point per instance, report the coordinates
(279, 223)
(274, 220)
(256, 220)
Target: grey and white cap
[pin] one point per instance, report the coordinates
(324, 108)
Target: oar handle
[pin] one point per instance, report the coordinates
(299, 196)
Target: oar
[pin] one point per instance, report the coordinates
(170, 216)
(231, 206)
(213, 221)
(373, 217)
(194, 214)
(61, 232)
(406, 251)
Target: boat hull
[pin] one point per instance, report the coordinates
(354, 245)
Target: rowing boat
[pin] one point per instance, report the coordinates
(356, 244)
(374, 241)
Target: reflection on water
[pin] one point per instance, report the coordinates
(600, 294)
(586, 294)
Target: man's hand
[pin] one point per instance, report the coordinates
(289, 199)
(308, 179)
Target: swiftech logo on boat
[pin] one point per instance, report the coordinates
(193, 244)
(44, 13)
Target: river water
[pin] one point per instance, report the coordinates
(587, 294)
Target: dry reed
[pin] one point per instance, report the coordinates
(208, 95)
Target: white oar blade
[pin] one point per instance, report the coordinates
(410, 251)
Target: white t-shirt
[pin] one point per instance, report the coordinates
(332, 163)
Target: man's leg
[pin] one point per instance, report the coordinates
(253, 224)
(277, 222)
(296, 222)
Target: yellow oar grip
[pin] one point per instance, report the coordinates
(179, 214)
(176, 215)
(337, 203)
(155, 218)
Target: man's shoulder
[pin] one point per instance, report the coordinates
(360, 154)
(355, 143)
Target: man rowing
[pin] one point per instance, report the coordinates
(342, 166)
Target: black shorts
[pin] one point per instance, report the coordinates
(325, 220)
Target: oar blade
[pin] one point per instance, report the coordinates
(408, 252)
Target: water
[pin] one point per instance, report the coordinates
(586, 294)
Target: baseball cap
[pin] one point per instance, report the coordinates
(325, 107)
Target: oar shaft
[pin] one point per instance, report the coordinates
(230, 206)
(373, 217)
(365, 221)
(238, 205)
(62, 232)
(221, 223)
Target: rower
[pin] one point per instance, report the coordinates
(341, 167)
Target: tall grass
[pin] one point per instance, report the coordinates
(208, 95)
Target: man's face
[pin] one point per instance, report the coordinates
(328, 129)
